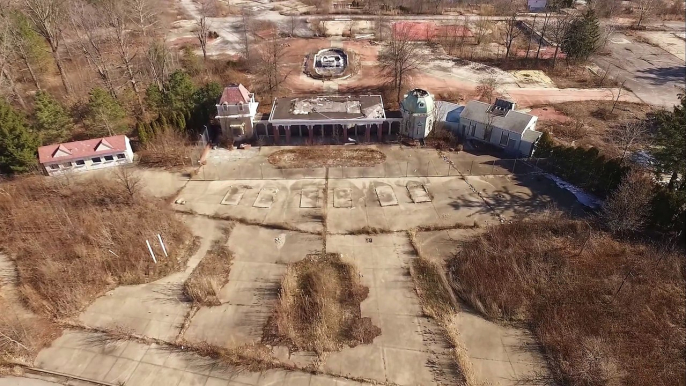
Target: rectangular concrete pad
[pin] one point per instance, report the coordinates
(265, 198)
(342, 198)
(234, 195)
(418, 193)
(386, 195)
(309, 198)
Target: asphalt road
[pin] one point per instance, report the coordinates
(654, 75)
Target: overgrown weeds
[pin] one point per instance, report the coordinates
(168, 149)
(211, 274)
(606, 312)
(73, 239)
(319, 307)
(438, 303)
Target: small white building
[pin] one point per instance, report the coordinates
(85, 155)
(419, 112)
(236, 112)
(500, 125)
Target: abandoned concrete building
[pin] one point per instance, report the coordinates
(500, 125)
(236, 111)
(362, 118)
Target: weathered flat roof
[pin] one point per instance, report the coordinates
(363, 107)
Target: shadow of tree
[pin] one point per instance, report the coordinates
(663, 75)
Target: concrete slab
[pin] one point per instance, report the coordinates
(408, 367)
(234, 195)
(501, 355)
(310, 198)
(418, 193)
(386, 195)
(342, 198)
(266, 198)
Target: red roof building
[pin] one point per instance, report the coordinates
(235, 94)
(85, 155)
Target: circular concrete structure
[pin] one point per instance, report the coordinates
(330, 63)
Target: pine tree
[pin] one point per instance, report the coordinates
(142, 133)
(582, 36)
(164, 124)
(180, 122)
(17, 143)
(155, 127)
(104, 115)
(53, 124)
(670, 151)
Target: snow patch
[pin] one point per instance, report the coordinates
(584, 198)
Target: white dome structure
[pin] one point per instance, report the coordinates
(418, 109)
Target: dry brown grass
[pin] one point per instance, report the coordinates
(325, 156)
(22, 334)
(319, 307)
(73, 239)
(439, 303)
(591, 124)
(606, 312)
(211, 274)
(169, 150)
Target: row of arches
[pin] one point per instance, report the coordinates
(326, 130)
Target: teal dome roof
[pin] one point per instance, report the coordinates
(418, 101)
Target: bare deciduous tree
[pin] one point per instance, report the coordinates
(201, 32)
(512, 32)
(143, 13)
(269, 63)
(645, 10)
(129, 180)
(546, 20)
(481, 28)
(92, 37)
(627, 209)
(487, 87)
(247, 19)
(401, 57)
(49, 18)
(160, 61)
(558, 28)
(628, 135)
(117, 14)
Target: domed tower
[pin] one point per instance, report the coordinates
(418, 111)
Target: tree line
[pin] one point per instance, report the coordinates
(635, 201)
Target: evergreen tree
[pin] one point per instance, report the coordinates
(190, 61)
(205, 102)
(17, 143)
(104, 115)
(180, 95)
(142, 133)
(155, 128)
(53, 123)
(582, 36)
(177, 95)
(544, 146)
(164, 124)
(670, 151)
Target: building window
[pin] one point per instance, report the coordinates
(96, 160)
(67, 164)
(121, 156)
(54, 167)
(109, 158)
(503, 138)
(80, 162)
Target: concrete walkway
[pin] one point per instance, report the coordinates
(158, 309)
